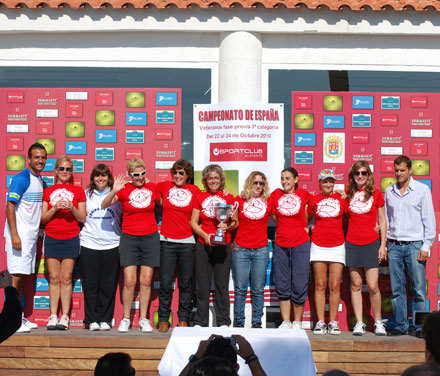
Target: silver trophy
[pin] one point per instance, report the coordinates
(223, 212)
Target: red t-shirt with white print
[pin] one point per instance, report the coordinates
(292, 228)
(362, 217)
(138, 209)
(253, 216)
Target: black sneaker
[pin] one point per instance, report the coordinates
(257, 325)
(238, 325)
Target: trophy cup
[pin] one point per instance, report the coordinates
(223, 212)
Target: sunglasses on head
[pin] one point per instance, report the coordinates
(181, 173)
(258, 183)
(363, 173)
(136, 174)
(68, 169)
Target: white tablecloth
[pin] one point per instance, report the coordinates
(281, 351)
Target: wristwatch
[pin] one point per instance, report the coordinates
(193, 358)
(250, 358)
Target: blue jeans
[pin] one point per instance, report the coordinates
(401, 256)
(249, 263)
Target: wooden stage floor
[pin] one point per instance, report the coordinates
(75, 352)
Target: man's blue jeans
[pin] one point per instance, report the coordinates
(249, 263)
(401, 256)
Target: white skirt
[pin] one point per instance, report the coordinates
(331, 254)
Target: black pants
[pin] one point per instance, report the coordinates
(99, 270)
(171, 254)
(208, 260)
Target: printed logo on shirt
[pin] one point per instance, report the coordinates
(254, 209)
(357, 204)
(209, 203)
(179, 197)
(289, 204)
(60, 194)
(140, 198)
(328, 208)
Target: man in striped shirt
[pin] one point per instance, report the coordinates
(23, 216)
(411, 233)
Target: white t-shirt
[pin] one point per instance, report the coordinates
(26, 190)
(102, 228)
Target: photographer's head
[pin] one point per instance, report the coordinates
(431, 334)
(213, 366)
(222, 347)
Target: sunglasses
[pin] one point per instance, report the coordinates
(68, 169)
(258, 183)
(363, 173)
(181, 173)
(136, 174)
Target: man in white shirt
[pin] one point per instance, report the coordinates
(23, 216)
(411, 233)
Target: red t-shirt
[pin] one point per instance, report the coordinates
(253, 217)
(63, 224)
(362, 217)
(138, 209)
(177, 203)
(205, 202)
(328, 211)
(291, 219)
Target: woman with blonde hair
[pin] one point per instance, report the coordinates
(139, 245)
(251, 252)
(212, 258)
(365, 249)
(64, 207)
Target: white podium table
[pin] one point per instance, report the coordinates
(281, 351)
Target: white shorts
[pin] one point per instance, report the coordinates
(21, 262)
(330, 254)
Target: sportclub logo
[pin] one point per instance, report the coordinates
(289, 204)
(328, 208)
(238, 151)
(179, 197)
(254, 209)
(209, 203)
(357, 204)
(60, 194)
(140, 198)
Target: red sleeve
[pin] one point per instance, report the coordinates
(379, 199)
(82, 196)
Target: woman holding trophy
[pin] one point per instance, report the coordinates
(213, 209)
(251, 251)
(291, 254)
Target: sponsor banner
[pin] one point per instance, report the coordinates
(421, 133)
(390, 103)
(360, 138)
(133, 153)
(44, 127)
(303, 101)
(14, 143)
(78, 165)
(164, 134)
(162, 176)
(135, 118)
(241, 138)
(74, 110)
(361, 121)
(77, 285)
(238, 151)
(305, 139)
(388, 150)
(48, 180)
(166, 154)
(17, 128)
(303, 157)
(134, 137)
(41, 302)
(76, 147)
(41, 284)
(165, 117)
(15, 96)
(166, 99)
(387, 165)
(418, 102)
(419, 148)
(423, 122)
(9, 180)
(363, 102)
(15, 162)
(106, 136)
(334, 148)
(104, 98)
(391, 119)
(104, 154)
(334, 121)
(44, 113)
(77, 95)
(163, 165)
(50, 164)
(304, 175)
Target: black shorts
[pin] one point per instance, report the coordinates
(362, 256)
(64, 248)
(139, 250)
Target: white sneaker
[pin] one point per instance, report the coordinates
(285, 325)
(296, 325)
(359, 329)
(379, 328)
(104, 326)
(29, 324)
(64, 323)
(94, 326)
(145, 326)
(23, 329)
(320, 328)
(124, 326)
(52, 322)
(333, 328)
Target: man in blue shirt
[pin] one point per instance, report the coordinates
(23, 216)
(411, 233)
